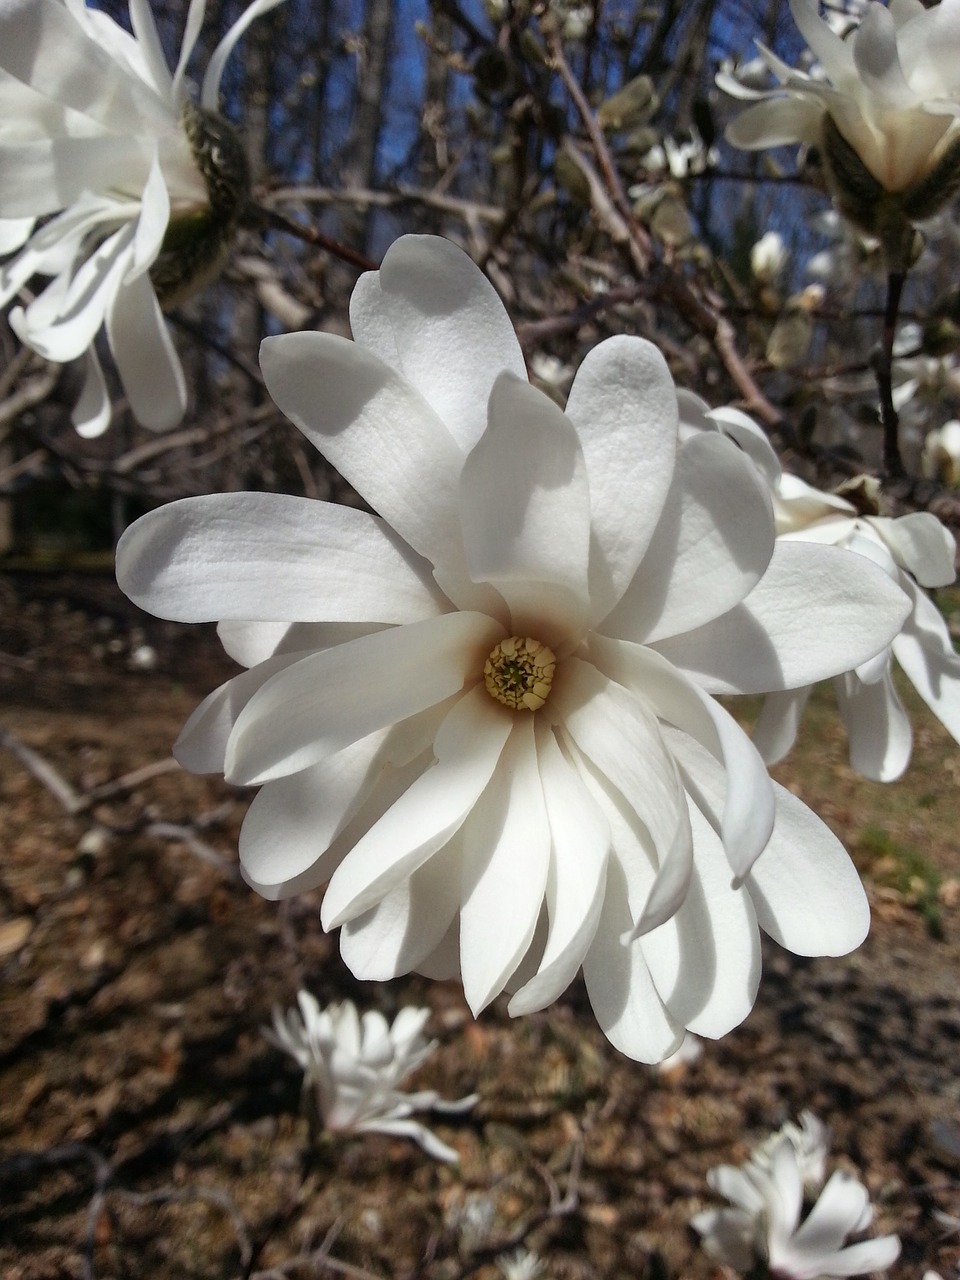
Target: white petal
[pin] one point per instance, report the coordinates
(14, 232)
(833, 53)
(817, 611)
(705, 960)
(451, 335)
(41, 177)
(623, 405)
(467, 748)
(624, 999)
(202, 744)
(876, 724)
(525, 511)
(805, 890)
(191, 33)
(777, 122)
(779, 722)
(328, 700)
(748, 809)
(293, 820)
(408, 923)
(925, 650)
(210, 90)
(874, 45)
(506, 852)
(148, 39)
(836, 1215)
(382, 437)
(92, 413)
(252, 642)
(147, 361)
(576, 878)
(711, 547)
(249, 556)
(618, 733)
(921, 545)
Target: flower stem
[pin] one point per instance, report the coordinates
(280, 222)
(892, 461)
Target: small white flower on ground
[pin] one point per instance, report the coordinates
(811, 1141)
(355, 1065)
(522, 1264)
(765, 1226)
(885, 104)
(103, 156)
(484, 715)
(916, 551)
(690, 1050)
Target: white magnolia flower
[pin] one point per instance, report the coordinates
(109, 171)
(484, 715)
(765, 1225)
(916, 551)
(885, 104)
(522, 1264)
(355, 1065)
(811, 1141)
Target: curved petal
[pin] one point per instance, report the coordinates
(876, 724)
(381, 436)
(506, 852)
(920, 544)
(705, 960)
(45, 175)
(817, 611)
(525, 512)
(409, 922)
(748, 808)
(833, 53)
(875, 55)
(924, 649)
(710, 549)
(250, 643)
(146, 358)
(805, 890)
(576, 876)
(618, 733)
(624, 408)
(468, 746)
(210, 90)
(837, 1214)
(779, 722)
(328, 700)
(92, 413)
(451, 335)
(777, 122)
(270, 556)
(622, 993)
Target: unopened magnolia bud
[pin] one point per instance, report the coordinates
(629, 107)
(790, 340)
(196, 244)
(670, 221)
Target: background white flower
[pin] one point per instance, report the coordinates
(484, 716)
(887, 95)
(811, 1141)
(765, 1226)
(916, 551)
(102, 155)
(355, 1065)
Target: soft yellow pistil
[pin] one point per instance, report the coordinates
(519, 673)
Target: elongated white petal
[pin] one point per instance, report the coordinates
(779, 722)
(775, 123)
(576, 876)
(506, 851)
(328, 700)
(839, 1212)
(92, 413)
(921, 545)
(148, 38)
(293, 820)
(202, 744)
(805, 890)
(147, 360)
(624, 408)
(710, 549)
(409, 922)
(876, 724)
(924, 649)
(528, 468)
(617, 732)
(245, 556)
(44, 176)
(210, 90)
(467, 749)
(817, 611)
(451, 337)
(874, 46)
(622, 994)
(833, 53)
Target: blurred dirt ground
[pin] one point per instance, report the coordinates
(148, 1129)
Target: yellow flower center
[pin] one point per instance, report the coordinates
(519, 673)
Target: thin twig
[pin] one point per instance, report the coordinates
(892, 461)
(272, 218)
